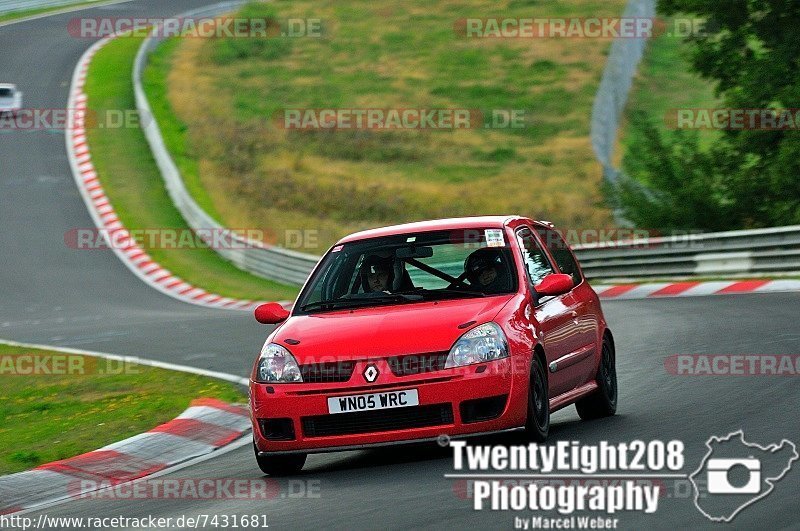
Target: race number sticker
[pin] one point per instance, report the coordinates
(494, 238)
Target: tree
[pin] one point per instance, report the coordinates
(750, 50)
(671, 185)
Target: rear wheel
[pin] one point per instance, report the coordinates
(538, 423)
(280, 465)
(603, 402)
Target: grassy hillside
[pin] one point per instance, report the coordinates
(217, 98)
(664, 83)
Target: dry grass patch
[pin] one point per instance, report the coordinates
(393, 54)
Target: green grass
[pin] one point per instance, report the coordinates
(666, 82)
(52, 417)
(173, 130)
(216, 99)
(16, 15)
(134, 185)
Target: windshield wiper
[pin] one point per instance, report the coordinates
(355, 302)
(390, 297)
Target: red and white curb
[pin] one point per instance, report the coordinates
(207, 425)
(694, 288)
(104, 216)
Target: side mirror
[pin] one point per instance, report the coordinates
(554, 285)
(271, 313)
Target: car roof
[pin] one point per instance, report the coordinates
(8, 86)
(478, 222)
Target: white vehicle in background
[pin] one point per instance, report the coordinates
(10, 99)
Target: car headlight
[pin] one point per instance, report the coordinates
(486, 342)
(277, 365)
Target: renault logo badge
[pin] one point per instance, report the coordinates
(371, 373)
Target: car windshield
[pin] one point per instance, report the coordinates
(6, 93)
(407, 268)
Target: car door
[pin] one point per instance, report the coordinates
(550, 318)
(578, 303)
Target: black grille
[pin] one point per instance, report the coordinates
(375, 421)
(417, 363)
(277, 429)
(327, 372)
(483, 409)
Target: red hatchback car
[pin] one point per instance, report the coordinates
(451, 327)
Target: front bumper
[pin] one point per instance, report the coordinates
(445, 397)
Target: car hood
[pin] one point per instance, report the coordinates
(385, 331)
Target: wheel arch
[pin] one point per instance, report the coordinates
(607, 334)
(538, 352)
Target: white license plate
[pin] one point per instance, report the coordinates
(373, 401)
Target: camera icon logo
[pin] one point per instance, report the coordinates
(719, 472)
(735, 474)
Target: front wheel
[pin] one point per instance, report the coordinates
(603, 402)
(280, 465)
(538, 423)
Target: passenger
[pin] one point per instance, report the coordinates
(486, 271)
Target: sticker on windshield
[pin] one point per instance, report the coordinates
(494, 238)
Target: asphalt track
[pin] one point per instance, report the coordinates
(87, 299)
(56, 295)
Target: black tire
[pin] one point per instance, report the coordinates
(603, 402)
(538, 423)
(280, 465)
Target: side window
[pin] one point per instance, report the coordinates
(560, 252)
(536, 264)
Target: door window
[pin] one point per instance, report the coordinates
(537, 266)
(560, 252)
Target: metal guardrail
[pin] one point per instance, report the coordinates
(726, 253)
(615, 85)
(11, 6)
(263, 260)
(759, 251)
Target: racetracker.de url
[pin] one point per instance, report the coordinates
(198, 521)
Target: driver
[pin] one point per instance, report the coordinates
(376, 274)
(485, 271)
